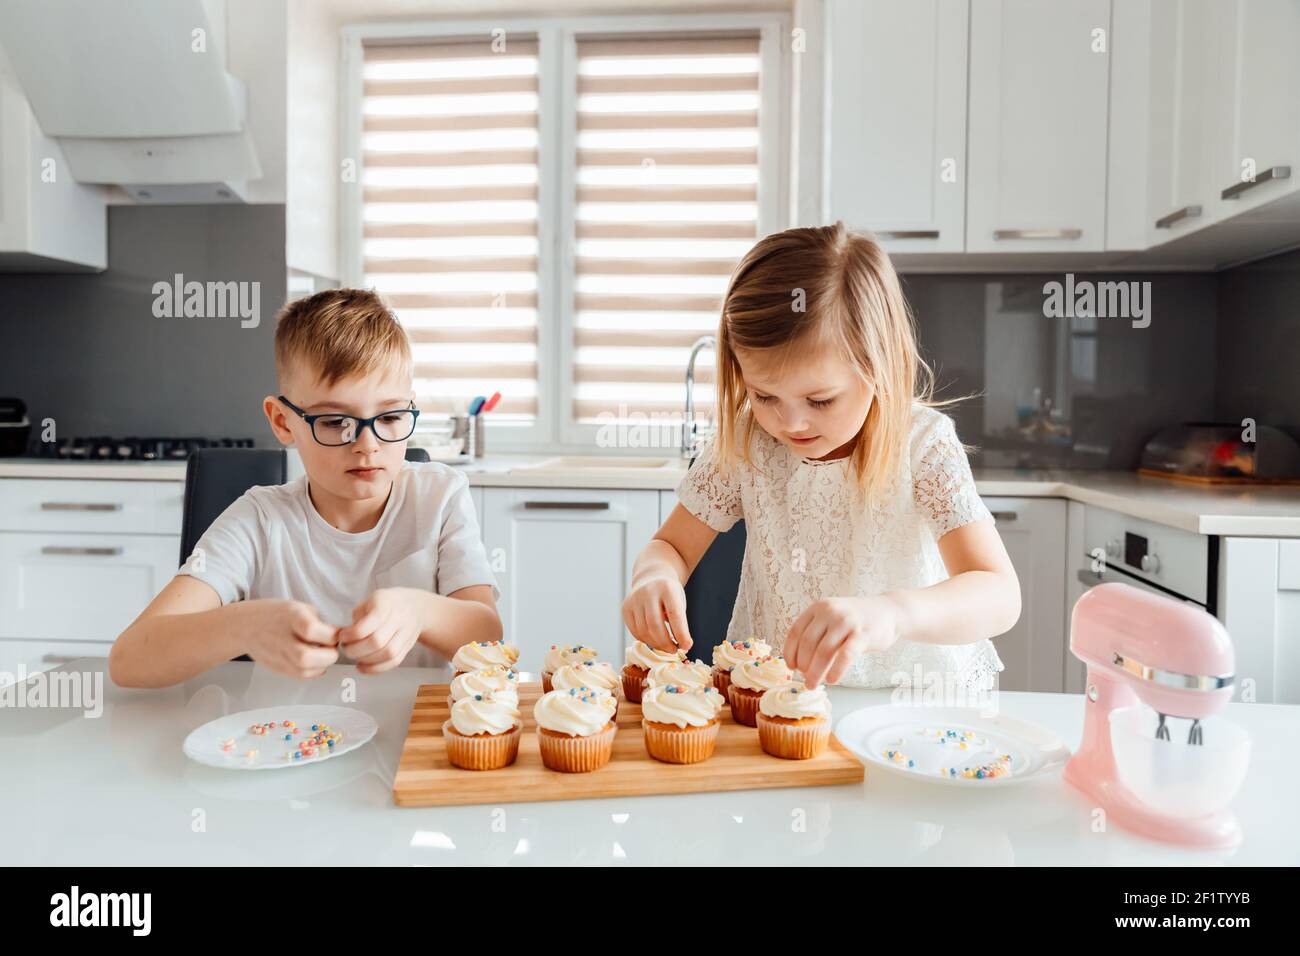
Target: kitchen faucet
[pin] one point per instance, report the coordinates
(688, 425)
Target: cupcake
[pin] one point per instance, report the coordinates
(682, 673)
(680, 722)
(482, 733)
(793, 721)
(597, 674)
(749, 680)
(560, 654)
(477, 655)
(501, 682)
(640, 658)
(575, 729)
(730, 653)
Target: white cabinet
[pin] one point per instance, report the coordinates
(79, 559)
(1255, 114)
(563, 560)
(1259, 605)
(895, 121)
(1033, 652)
(1039, 86)
(1180, 196)
(48, 221)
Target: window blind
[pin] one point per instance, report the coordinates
(666, 204)
(449, 210)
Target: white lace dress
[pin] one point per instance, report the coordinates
(807, 539)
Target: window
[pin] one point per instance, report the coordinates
(554, 208)
(666, 203)
(449, 174)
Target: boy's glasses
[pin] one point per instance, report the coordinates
(332, 429)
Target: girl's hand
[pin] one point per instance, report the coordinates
(651, 601)
(827, 637)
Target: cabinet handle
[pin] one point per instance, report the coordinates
(59, 658)
(81, 506)
(907, 234)
(1273, 172)
(58, 549)
(567, 505)
(1187, 212)
(1004, 516)
(1037, 233)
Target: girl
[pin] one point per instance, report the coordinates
(856, 494)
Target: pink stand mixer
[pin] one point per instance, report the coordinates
(1153, 755)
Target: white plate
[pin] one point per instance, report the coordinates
(869, 732)
(203, 745)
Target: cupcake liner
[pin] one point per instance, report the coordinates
(633, 682)
(744, 704)
(481, 751)
(673, 744)
(546, 682)
(793, 741)
(722, 680)
(576, 754)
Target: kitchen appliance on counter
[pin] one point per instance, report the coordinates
(1154, 755)
(1222, 454)
(104, 448)
(15, 426)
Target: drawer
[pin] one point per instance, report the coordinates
(79, 587)
(1288, 565)
(58, 504)
(22, 658)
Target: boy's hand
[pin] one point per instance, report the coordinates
(290, 638)
(646, 607)
(827, 637)
(384, 628)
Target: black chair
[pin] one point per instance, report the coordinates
(216, 477)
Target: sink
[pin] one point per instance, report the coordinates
(593, 463)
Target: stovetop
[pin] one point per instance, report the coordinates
(106, 448)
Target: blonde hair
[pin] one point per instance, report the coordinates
(819, 287)
(339, 333)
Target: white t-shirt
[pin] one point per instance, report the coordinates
(808, 538)
(272, 543)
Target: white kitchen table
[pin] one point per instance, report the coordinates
(116, 789)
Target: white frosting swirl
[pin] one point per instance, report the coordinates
(484, 714)
(729, 654)
(561, 654)
(501, 682)
(578, 712)
(477, 655)
(676, 704)
(646, 657)
(795, 701)
(761, 674)
(598, 674)
(686, 673)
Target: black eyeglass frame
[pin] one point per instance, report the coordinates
(361, 423)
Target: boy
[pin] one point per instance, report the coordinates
(365, 558)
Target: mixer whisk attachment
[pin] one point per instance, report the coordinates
(1162, 731)
(1194, 735)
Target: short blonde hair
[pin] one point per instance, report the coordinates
(339, 333)
(819, 287)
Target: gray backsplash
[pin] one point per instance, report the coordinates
(88, 351)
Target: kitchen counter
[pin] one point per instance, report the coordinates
(116, 789)
(1271, 512)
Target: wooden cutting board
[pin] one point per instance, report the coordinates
(426, 779)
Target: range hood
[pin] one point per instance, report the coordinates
(136, 93)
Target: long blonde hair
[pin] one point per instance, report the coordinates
(824, 286)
